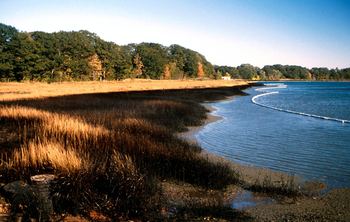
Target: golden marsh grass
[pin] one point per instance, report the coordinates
(37, 155)
(111, 145)
(14, 90)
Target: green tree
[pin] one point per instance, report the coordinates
(177, 55)
(154, 58)
(247, 71)
(272, 73)
(7, 36)
(187, 62)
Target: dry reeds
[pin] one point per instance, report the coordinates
(52, 122)
(106, 149)
(38, 155)
(15, 90)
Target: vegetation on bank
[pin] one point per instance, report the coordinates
(277, 72)
(110, 150)
(82, 55)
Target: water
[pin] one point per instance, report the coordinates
(301, 128)
(247, 199)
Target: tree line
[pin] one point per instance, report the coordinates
(277, 72)
(82, 55)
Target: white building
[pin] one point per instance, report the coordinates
(226, 78)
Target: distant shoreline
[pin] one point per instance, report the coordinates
(300, 80)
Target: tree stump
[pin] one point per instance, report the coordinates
(41, 186)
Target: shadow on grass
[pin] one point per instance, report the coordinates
(105, 149)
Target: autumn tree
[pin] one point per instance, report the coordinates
(166, 72)
(175, 71)
(187, 61)
(200, 72)
(138, 65)
(96, 67)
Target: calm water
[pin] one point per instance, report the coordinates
(296, 127)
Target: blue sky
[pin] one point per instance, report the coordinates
(228, 32)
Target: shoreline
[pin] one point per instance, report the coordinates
(331, 205)
(251, 173)
(189, 134)
(248, 174)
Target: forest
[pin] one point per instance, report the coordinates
(279, 72)
(82, 55)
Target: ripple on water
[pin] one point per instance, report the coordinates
(302, 145)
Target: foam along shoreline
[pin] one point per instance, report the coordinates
(279, 86)
(249, 175)
(272, 86)
(332, 206)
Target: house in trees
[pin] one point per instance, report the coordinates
(226, 76)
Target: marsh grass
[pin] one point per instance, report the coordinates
(285, 186)
(108, 150)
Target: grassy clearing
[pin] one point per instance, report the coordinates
(109, 150)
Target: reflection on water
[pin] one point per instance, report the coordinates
(247, 199)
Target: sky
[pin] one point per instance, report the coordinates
(310, 33)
